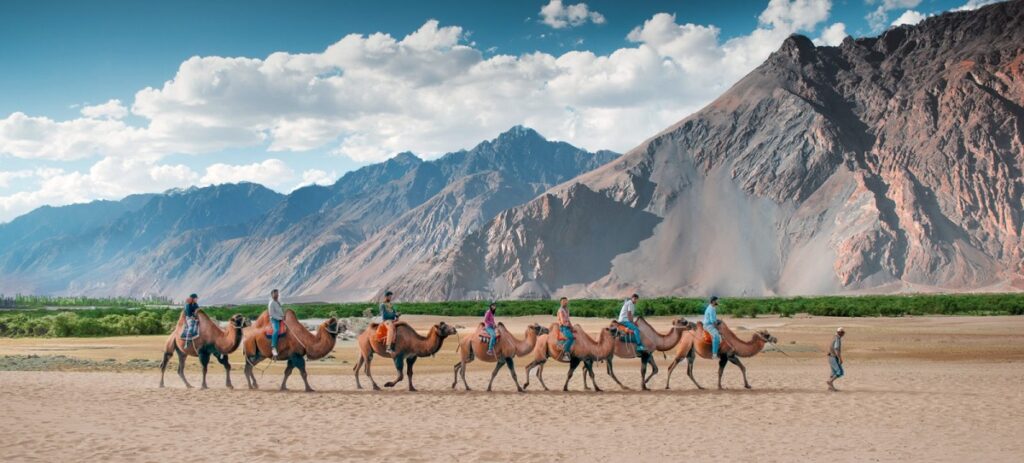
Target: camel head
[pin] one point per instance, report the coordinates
(331, 324)
(763, 334)
(237, 321)
(539, 330)
(683, 324)
(445, 329)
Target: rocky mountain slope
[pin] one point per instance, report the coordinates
(884, 164)
(235, 242)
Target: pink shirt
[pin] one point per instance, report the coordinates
(489, 318)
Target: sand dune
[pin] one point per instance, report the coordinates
(935, 389)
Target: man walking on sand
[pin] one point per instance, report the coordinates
(835, 358)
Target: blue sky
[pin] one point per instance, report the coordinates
(599, 74)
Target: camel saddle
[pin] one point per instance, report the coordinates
(707, 338)
(269, 331)
(623, 329)
(191, 329)
(484, 336)
(382, 332)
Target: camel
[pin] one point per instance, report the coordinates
(409, 345)
(585, 350)
(211, 341)
(506, 349)
(653, 341)
(730, 350)
(297, 345)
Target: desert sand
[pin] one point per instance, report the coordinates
(918, 388)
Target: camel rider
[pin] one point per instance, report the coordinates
(388, 315)
(491, 327)
(276, 313)
(191, 328)
(626, 318)
(565, 326)
(711, 325)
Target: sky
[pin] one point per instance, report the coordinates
(103, 99)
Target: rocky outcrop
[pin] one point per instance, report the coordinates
(884, 164)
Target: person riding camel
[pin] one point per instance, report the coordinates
(388, 316)
(711, 325)
(565, 326)
(191, 329)
(626, 315)
(491, 327)
(276, 313)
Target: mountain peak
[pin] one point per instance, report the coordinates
(406, 157)
(798, 47)
(519, 132)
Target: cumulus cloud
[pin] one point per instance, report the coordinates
(370, 96)
(878, 18)
(7, 176)
(832, 36)
(273, 173)
(559, 16)
(909, 17)
(112, 109)
(317, 177)
(975, 4)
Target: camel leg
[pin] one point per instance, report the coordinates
(409, 362)
(181, 367)
(369, 357)
(654, 369)
(223, 359)
(588, 368)
(163, 366)
(250, 378)
(736, 361)
(204, 360)
(512, 369)
(722, 360)
(287, 373)
(573, 363)
(540, 376)
(689, 368)
(529, 366)
(455, 379)
(586, 386)
(462, 374)
(497, 367)
(611, 372)
(300, 363)
(671, 367)
(398, 366)
(359, 364)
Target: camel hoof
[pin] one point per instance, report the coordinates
(203, 388)
(521, 390)
(389, 384)
(412, 389)
(376, 387)
(747, 386)
(309, 389)
(230, 387)
(283, 389)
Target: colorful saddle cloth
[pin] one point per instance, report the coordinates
(382, 332)
(191, 329)
(624, 332)
(269, 331)
(481, 332)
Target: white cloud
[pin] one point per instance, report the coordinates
(559, 16)
(7, 176)
(975, 4)
(369, 96)
(832, 36)
(112, 109)
(110, 178)
(272, 173)
(878, 18)
(909, 17)
(317, 177)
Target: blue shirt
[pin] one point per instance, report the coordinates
(710, 316)
(387, 312)
(190, 309)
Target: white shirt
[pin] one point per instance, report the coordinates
(627, 310)
(275, 309)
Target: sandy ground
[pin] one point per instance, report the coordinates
(926, 389)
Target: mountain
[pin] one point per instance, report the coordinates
(885, 164)
(318, 242)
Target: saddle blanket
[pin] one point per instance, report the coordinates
(191, 329)
(269, 331)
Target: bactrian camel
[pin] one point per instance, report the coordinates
(211, 341)
(653, 341)
(730, 350)
(297, 345)
(585, 350)
(506, 348)
(409, 345)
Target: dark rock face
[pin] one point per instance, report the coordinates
(884, 164)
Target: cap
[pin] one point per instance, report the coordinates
(713, 299)
(840, 330)
(194, 296)
(389, 293)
